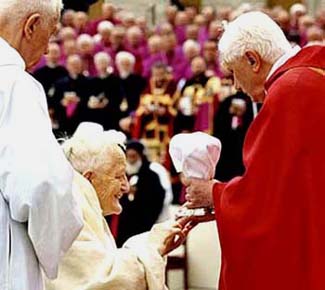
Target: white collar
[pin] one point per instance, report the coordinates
(283, 59)
(9, 55)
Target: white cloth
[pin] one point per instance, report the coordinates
(167, 185)
(39, 218)
(94, 262)
(195, 154)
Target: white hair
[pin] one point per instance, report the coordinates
(134, 30)
(90, 146)
(85, 38)
(102, 56)
(105, 25)
(252, 31)
(189, 44)
(154, 39)
(15, 10)
(298, 7)
(124, 55)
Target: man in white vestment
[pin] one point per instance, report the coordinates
(39, 218)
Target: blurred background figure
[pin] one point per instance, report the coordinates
(132, 84)
(52, 71)
(69, 96)
(105, 96)
(86, 49)
(144, 203)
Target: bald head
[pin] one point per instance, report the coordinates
(74, 65)
(198, 65)
(53, 55)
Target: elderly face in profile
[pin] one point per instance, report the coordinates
(109, 180)
(103, 163)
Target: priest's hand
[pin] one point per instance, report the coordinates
(198, 192)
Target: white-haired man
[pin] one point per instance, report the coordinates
(271, 219)
(86, 49)
(103, 105)
(38, 215)
(132, 84)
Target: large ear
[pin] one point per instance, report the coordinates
(31, 25)
(253, 59)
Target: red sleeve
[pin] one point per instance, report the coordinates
(218, 187)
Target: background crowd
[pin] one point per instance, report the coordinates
(152, 83)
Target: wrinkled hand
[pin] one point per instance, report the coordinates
(195, 220)
(198, 192)
(169, 235)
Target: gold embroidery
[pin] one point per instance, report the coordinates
(320, 71)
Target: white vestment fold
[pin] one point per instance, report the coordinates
(39, 219)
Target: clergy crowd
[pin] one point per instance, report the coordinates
(89, 163)
(153, 82)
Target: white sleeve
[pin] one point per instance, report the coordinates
(35, 177)
(88, 266)
(154, 264)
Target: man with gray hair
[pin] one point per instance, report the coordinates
(271, 220)
(39, 218)
(132, 84)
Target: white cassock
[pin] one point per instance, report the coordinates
(39, 218)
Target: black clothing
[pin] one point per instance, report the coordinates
(141, 214)
(231, 137)
(79, 86)
(47, 76)
(110, 89)
(183, 122)
(132, 88)
(78, 5)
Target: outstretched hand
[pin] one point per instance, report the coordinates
(171, 234)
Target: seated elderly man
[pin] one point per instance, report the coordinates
(94, 262)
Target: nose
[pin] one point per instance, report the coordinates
(125, 186)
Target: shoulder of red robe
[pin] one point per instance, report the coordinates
(311, 56)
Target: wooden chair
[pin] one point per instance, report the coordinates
(177, 260)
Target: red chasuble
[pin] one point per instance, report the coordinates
(271, 221)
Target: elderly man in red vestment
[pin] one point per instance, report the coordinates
(271, 220)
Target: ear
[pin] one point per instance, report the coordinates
(253, 59)
(88, 175)
(31, 25)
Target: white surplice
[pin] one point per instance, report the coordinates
(39, 218)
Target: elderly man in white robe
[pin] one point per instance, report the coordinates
(93, 261)
(39, 218)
